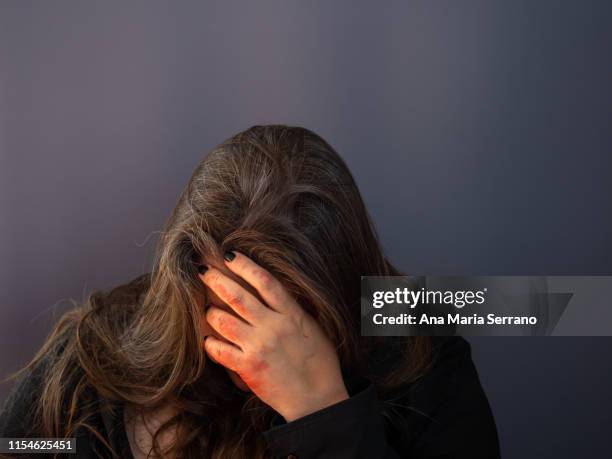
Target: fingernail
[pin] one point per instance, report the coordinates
(229, 256)
(202, 269)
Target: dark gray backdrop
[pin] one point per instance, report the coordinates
(479, 133)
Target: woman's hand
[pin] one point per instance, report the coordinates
(280, 352)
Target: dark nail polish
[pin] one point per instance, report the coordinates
(229, 256)
(202, 269)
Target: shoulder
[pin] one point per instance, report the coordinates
(19, 413)
(450, 355)
(446, 411)
(451, 382)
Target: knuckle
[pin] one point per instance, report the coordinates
(297, 316)
(255, 360)
(263, 347)
(289, 324)
(258, 364)
(284, 328)
(235, 299)
(211, 276)
(219, 320)
(219, 352)
(225, 324)
(265, 279)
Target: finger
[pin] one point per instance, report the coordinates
(271, 290)
(223, 353)
(235, 296)
(230, 327)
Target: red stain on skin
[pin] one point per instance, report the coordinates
(251, 381)
(234, 300)
(220, 290)
(219, 355)
(224, 325)
(260, 366)
(253, 377)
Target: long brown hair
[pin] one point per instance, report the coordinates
(282, 196)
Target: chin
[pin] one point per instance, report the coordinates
(238, 381)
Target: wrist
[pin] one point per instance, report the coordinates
(309, 406)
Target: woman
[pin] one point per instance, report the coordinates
(243, 341)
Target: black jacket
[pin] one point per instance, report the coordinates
(444, 415)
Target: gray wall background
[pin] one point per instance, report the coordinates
(478, 131)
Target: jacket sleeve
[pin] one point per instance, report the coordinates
(444, 415)
(352, 428)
